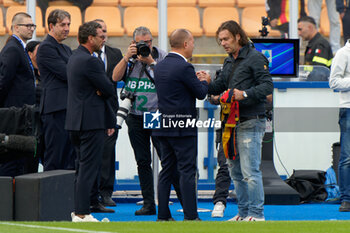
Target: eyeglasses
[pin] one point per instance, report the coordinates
(29, 26)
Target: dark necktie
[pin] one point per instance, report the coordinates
(99, 55)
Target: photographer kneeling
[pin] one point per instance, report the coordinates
(136, 69)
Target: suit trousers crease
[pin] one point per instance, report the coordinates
(107, 176)
(59, 151)
(89, 149)
(179, 154)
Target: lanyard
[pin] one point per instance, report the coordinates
(26, 52)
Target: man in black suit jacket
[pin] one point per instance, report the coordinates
(52, 58)
(88, 115)
(17, 80)
(177, 89)
(110, 57)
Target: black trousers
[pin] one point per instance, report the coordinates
(59, 151)
(222, 180)
(179, 154)
(107, 175)
(346, 23)
(89, 149)
(140, 140)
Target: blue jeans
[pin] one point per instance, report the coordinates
(245, 169)
(344, 160)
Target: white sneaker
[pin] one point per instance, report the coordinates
(253, 219)
(218, 211)
(236, 218)
(87, 218)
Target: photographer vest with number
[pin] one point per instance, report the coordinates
(139, 81)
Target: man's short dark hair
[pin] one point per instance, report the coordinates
(56, 16)
(234, 28)
(307, 19)
(30, 47)
(86, 30)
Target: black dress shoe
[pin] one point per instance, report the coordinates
(107, 201)
(344, 207)
(99, 208)
(165, 220)
(146, 211)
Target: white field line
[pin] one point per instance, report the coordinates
(52, 228)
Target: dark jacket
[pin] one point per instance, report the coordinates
(86, 110)
(17, 81)
(251, 75)
(342, 5)
(52, 58)
(177, 89)
(114, 55)
(318, 52)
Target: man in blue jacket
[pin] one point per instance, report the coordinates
(177, 89)
(52, 58)
(17, 80)
(88, 116)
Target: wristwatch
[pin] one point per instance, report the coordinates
(153, 64)
(245, 94)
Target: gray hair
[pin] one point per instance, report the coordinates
(141, 31)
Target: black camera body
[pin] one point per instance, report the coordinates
(127, 94)
(142, 49)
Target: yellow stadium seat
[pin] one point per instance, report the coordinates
(218, 3)
(182, 2)
(75, 15)
(60, 3)
(184, 17)
(111, 16)
(141, 16)
(251, 21)
(248, 3)
(324, 23)
(12, 10)
(126, 3)
(214, 16)
(2, 28)
(8, 3)
(105, 3)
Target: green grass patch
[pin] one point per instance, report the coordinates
(178, 227)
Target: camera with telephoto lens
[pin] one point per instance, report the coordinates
(142, 49)
(127, 98)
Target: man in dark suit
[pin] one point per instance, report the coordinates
(17, 81)
(88, 115)
(110, 57)
(52, 58)
(177, 89)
